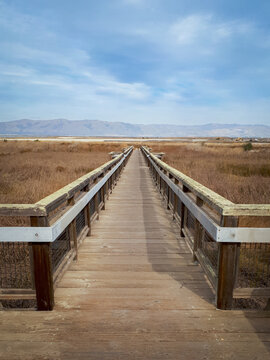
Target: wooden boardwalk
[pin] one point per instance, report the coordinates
(134, 293)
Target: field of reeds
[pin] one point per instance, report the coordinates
(31, 170)
(239, 172)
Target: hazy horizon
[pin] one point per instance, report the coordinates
(64, 127)
(149, 123)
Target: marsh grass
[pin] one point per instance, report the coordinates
(245, 170)
(238, 175)
(31, 170)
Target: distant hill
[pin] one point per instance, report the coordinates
(63, 127)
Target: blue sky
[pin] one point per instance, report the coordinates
(139, 61)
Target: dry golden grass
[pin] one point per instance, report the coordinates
(31, 170)
(238, 175)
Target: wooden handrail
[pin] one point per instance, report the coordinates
(52, 201)
(215, 240)
(219, 203)
(53, 244)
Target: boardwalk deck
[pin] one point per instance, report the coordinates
(134, 293)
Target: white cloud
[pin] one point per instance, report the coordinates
(174, 96)
(180, 63)
(64, 58)
(188, 29)
(14, 70)
(197, 27)
(79, 77)
(136, 91)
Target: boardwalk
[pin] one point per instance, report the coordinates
(134, 293)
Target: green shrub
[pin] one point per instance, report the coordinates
(248, 146)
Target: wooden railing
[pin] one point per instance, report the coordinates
(230, 241)
(32, 258)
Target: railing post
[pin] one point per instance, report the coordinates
(43, 273)
(88, 218)
(154, 173)
(107, 189)
(87, 214)
(72, 230)
(198, 232)
(164, 186)
(182, 212)
(110, 185)
(125, 160)
(113, 181)
(96, 205)
(103, 197)
(169, 193)
(175, 200)
(227, 268)
(102, 193)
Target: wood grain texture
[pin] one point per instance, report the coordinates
(134, 293)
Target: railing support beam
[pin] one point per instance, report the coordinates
(43, 273)
(227, 268)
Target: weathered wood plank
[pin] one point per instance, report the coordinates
(22, 210)
(129, 275)
(168, 284)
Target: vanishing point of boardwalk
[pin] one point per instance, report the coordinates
(134, 293)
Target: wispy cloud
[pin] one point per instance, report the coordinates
(145, 61)
(200, 27)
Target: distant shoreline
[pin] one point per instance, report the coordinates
(228, 140)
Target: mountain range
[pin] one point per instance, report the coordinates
(63, 127)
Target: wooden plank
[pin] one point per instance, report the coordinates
(107, 240)
(136, 303)
(170, 259)
(133, 249)
(131, 275)
(140, 338)
(135, 267)
(116, 283)
(166, 321)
